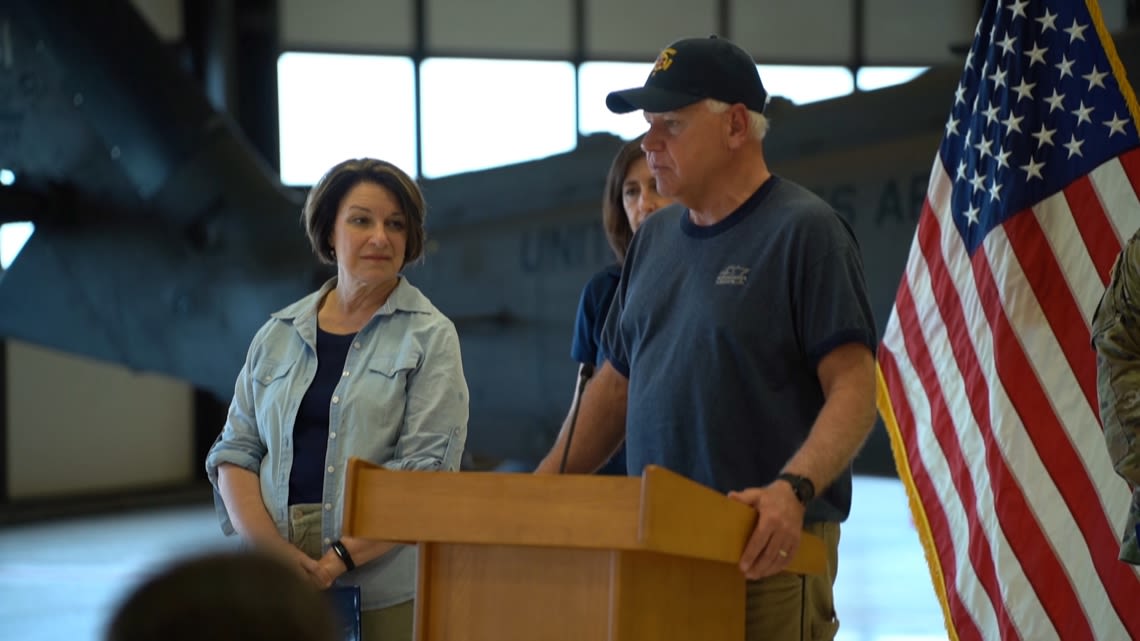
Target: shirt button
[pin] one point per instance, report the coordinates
(332, 434)
(345, 373)
(356, 345)
(328, 507)
(336, 399)
(327, 541)
(331, 468)
(267, 378)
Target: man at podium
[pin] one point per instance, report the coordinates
(739, 346)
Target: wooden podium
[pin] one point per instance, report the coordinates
(545, 558)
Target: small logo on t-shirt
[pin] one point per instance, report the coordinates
(732, 275)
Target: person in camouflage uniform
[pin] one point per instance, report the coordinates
(1116, 337)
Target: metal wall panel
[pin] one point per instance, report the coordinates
(794, 32)
(896, 32)
(541, 28)
(638, 29)
(368, 25)
(81, 426)
(1115, 14)
(905, 32)
(164, 16)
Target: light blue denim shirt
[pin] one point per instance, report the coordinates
(402, 403)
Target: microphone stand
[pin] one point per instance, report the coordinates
(584, 375)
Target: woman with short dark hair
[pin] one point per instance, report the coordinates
(365, 366)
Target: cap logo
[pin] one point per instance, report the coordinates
(664, 60)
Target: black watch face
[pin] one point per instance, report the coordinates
(801, 487)
(804, 492)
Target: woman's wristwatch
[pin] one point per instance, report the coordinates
(342, 552)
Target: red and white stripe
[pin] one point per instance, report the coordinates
(992, 380)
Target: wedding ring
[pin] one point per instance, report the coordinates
(782, 553)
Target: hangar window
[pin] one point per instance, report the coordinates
(337, 106)
(482, 113)
(479, 113)
(806, 83)
(13, 236)
(595, 80)
(871, 78)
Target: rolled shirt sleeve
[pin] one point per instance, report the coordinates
(240, 442)
(435, 427)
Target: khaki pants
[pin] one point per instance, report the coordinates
(792, 607)
(393, 623)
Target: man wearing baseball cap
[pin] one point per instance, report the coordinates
(740, 344)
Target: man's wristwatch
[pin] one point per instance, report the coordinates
(801, 485)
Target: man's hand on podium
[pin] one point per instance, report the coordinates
(776, 536)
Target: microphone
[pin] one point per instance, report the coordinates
(584, 374)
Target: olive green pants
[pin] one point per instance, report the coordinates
(793, 607)
(393, 623)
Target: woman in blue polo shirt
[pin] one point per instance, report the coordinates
(629, 198)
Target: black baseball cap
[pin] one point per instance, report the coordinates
(693, 69)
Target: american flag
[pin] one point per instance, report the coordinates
(987, 378)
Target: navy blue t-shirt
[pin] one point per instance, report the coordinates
(592, 309)
(311, 429)
(720, 330)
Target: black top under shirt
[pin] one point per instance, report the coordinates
(311, 429)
